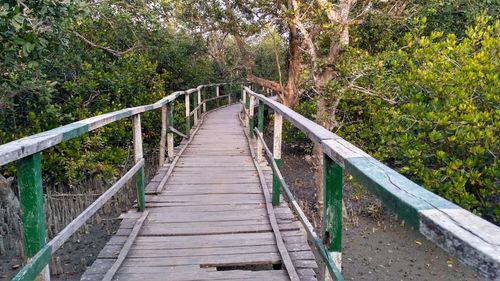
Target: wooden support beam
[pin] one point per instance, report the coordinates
(203, 96)
(170, 135)
(217, 94)
(278, 127)
(188, 118)
(195, 105)
(251, 113)
(260, 126)
(243, 102)
(247, 110)
(163, 138)
(199, 102)
(332, 211)
(138, 155)
(29, 176)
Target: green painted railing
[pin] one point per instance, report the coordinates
(26, 152)
(473, 241)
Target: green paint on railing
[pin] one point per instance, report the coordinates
(31, 271)
(276, 185)
(260, 124)
(139, 179)
(76, 132)
(332, 209)
(29, 175)
(171, 115)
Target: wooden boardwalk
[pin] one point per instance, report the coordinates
(210, 221)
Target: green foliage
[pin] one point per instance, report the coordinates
(443, 131)
(58, 78)
(294, 137)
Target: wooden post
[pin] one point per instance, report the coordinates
(332, 211)
(251, 113)
(204, 104)
(138, 155)
(195, 104)
(188, 119)
(243, 101)
(199, 102)
(278, 125)
(163, 139)
(29, 180)
(229, 95)
(260, 126)
(170, 135)
(247, 107)
(217, 94)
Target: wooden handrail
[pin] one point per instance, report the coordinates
(471, 239)
(26, 153)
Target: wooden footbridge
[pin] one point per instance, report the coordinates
(218, 210)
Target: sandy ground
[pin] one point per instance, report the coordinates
(75, 255)
(376, 245)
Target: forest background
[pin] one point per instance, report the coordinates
(415, 83)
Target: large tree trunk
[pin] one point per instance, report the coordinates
(290, 95)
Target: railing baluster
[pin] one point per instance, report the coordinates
(244, 102)
(29, 178)
(195, 104)
(217, 94)
(170, 135)
(199, 101)
(203, 96)
(278, 125)
(163, 138)
(260, 126)
(138, 155)
(188, 118)
(251, 113)
(332, 211)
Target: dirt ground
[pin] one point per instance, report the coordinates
(376, 244)
(75, 255)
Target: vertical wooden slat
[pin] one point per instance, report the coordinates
(138, 155)
(278, 125)
(163, 138)
(195, 104)
(332, 210)
(245, 107)
(260, 126)
(203, 97)
(217, 94)
(199, 101)
(188, 119)
(251, 113)
(29, 177)
(170, 135)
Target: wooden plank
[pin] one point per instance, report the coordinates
(292, 273)
(72, 227)
(126, 248)
(272, 275)
(176, 158)
(207, 261)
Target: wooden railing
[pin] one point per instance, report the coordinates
(473, 241)
(25, 153)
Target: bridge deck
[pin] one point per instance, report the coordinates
(210, 221)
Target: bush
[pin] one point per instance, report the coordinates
(444, 130)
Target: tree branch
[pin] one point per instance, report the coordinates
(106, 49)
